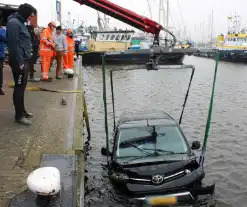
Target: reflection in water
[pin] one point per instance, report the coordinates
(135, 90)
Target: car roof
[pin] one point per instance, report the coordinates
(144, 118)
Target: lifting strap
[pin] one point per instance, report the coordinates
(201, 162)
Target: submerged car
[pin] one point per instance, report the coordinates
(151, 157)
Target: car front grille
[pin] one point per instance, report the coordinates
(166, 178)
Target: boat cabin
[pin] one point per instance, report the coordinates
(110, 40)
(232, 41)
(119, 36)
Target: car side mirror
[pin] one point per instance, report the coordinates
(195, 145)
(105, 152)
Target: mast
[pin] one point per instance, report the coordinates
(167, 17)
(99, 22)
(212, 26)
(160, 6)
(106, 21)
(150, 11)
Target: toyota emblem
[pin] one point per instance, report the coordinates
(157, 179)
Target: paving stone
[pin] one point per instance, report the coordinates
(48, 134)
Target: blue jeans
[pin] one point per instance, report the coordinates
(1, 72)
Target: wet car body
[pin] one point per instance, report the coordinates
(169, 173)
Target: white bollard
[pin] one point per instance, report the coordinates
(44, 181)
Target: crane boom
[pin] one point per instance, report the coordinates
(124, 15)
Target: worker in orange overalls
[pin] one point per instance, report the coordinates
(47, 47)
(68, 58)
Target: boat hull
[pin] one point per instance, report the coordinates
(225, 55)
(131, 57)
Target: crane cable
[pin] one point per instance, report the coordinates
(202, 156)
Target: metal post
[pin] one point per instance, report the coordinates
(105, 105)
(113, 102)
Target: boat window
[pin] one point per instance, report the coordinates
(101, 37)
(169, 139)
(107, 37)
(118, 37)
(123, 37)
(128, 37)
(112, 37)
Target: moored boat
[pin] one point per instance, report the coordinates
(162, 56)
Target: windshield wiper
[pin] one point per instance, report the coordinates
(148, 155)
(129, 143)
(129, 156)
(160, 150)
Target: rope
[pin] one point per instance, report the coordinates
(37, 88)
(201, 162)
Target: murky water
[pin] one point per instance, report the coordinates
(226, 160)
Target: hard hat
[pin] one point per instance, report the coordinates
(69, 31)
(52, 23)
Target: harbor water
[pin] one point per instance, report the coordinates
(226, 156)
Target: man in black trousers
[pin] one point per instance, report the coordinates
(35, 38)
(20, 47)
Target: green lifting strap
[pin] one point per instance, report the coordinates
(201, 162)
(105, 105)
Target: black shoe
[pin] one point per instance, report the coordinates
(24, 121)
(1, 92)
(28, 115)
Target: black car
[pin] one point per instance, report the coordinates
(152, 160)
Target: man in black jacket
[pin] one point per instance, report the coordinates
(35, 38)
(19, 46)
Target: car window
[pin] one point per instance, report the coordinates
(169, 139)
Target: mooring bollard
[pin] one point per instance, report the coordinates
(45, 183)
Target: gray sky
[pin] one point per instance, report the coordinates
(191, 14)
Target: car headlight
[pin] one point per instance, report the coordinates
(187, 171)
(119, 176)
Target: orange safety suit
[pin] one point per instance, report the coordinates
(68, 59)
(46, 51)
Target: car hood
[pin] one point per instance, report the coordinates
(167, 166)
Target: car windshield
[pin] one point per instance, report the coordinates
(139, 142)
